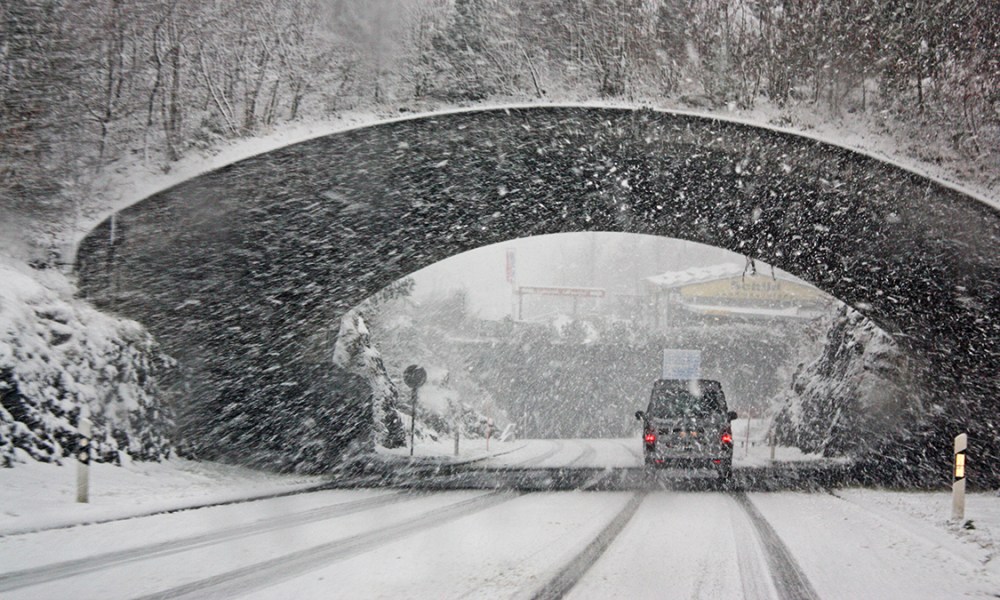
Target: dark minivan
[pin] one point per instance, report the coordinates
(687, 425)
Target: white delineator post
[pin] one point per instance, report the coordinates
(958, 485)
(83, 462)
(747, 443)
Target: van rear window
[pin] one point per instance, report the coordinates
(692, 401)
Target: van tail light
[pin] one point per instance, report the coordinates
(649, 437)
(727, 437)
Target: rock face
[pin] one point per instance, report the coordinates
(60, 358)
(355, 352)
(860, 391)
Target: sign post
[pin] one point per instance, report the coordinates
(511, 274)
(414, 377)
(83, 462)
(958, 485)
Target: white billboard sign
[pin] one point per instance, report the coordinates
(681, 364)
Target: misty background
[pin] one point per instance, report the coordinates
(580, 367)
(612, 261)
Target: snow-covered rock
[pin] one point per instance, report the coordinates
(60, 358)
(859, 390)
(354, 351)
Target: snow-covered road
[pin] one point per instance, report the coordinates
(391, 543)
(387, 544)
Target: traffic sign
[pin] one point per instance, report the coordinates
(414, 376)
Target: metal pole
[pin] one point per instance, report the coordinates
(413, 417)
(958, 485)
(748, 432)
(83, 463)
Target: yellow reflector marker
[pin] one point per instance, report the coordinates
(960, 465)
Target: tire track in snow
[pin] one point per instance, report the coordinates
(557, 446)
(588, 453)
(570, 574)
(240, 581)
(788, 578)
(27, 577)
(633, 451)
(755, 576)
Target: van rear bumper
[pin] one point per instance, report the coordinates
(699, 461)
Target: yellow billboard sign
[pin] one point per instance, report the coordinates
(755, 289)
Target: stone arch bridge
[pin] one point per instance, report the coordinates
(238, 272)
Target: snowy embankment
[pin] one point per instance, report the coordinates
(37, 496)
(60, 360)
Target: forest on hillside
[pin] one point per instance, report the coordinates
(86, 84)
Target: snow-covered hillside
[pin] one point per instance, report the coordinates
(60, 358)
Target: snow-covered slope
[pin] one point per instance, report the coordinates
(59, 358)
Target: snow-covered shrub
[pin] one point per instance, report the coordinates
(60, 358)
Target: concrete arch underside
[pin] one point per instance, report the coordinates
(240, 271)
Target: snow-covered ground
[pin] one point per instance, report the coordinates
(37, 495)
(887, 545)
(386, 543)
(40, 496)
(752, 450)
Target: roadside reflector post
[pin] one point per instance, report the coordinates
(748, 434)
(83, 461)
(958, 484)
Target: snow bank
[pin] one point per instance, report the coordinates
(60, 357)
(38, 496)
